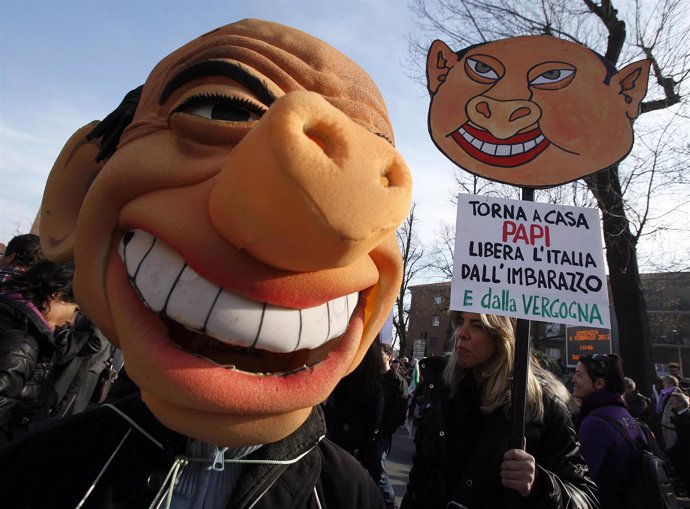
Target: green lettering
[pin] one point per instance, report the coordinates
(595, 315)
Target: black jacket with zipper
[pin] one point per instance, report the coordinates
(27, 366)
(65, 458)
(561, 472)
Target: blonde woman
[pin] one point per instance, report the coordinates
(461, 445)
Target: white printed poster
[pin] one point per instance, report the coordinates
(529, 260)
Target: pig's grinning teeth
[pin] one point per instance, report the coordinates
(503, 149)
(173, 290)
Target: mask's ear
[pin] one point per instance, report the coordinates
(632, 83)
(439, 62)
(67, 185)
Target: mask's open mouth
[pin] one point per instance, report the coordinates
(250, 360)
(508, 153)
(227, 329)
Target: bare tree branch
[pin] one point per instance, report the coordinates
(414, 265)
(643, 197)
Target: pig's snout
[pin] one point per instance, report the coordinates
(309, 189)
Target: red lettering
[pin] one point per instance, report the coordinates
(537, 231)
(508, 229)
(521, 234)
(518, 232)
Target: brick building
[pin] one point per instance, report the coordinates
(430, 330)
(668, 303)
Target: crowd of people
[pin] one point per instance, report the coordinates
(578, 444)
(577, 454)
(51, 356)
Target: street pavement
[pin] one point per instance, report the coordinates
(399, 462)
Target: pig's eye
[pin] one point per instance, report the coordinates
(552, 76)
(220, 107)
(482, 70)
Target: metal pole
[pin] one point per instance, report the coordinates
(519, 386)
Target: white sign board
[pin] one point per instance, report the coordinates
(386, 334)
(419, 349)
(529, 260)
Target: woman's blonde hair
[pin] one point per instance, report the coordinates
(498, 372)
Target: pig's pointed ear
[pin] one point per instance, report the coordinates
(439, 62)
(67, 185)
(632, 82)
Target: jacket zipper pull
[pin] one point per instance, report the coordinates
(219, 459)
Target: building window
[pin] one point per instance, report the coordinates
(432, 342)
(437, 300)
(435, 321)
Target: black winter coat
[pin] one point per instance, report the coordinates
(54, 467)
(394, 403)
(27, 365)
(83, 357)
(561, 471)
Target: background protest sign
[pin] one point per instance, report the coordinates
(529, 260)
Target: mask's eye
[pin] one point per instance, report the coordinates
(482, 70)
(557, 78)
(220, 107)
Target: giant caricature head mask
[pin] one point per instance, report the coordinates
(532, 111)
(239, 243)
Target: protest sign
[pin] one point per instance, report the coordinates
(529, 260)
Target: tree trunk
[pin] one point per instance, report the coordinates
(635, 342)
(400, 326)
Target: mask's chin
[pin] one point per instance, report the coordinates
(249, 360)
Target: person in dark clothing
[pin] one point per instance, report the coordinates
(639, 406)
(32, 305)
(22, 253)
(85, 358)
(135, 452)
(680, 453)
(394, 404)
(353, 408)
(598, 382)
(430, 371)
(364, 411)
(461, 444)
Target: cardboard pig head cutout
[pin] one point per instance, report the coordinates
(532, 111)
(237, 240)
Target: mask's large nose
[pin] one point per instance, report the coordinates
(309, 189)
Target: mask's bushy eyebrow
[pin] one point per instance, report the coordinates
(219, 68)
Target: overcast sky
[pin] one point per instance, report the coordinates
(64, 63)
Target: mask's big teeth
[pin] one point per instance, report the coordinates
(169, 287)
